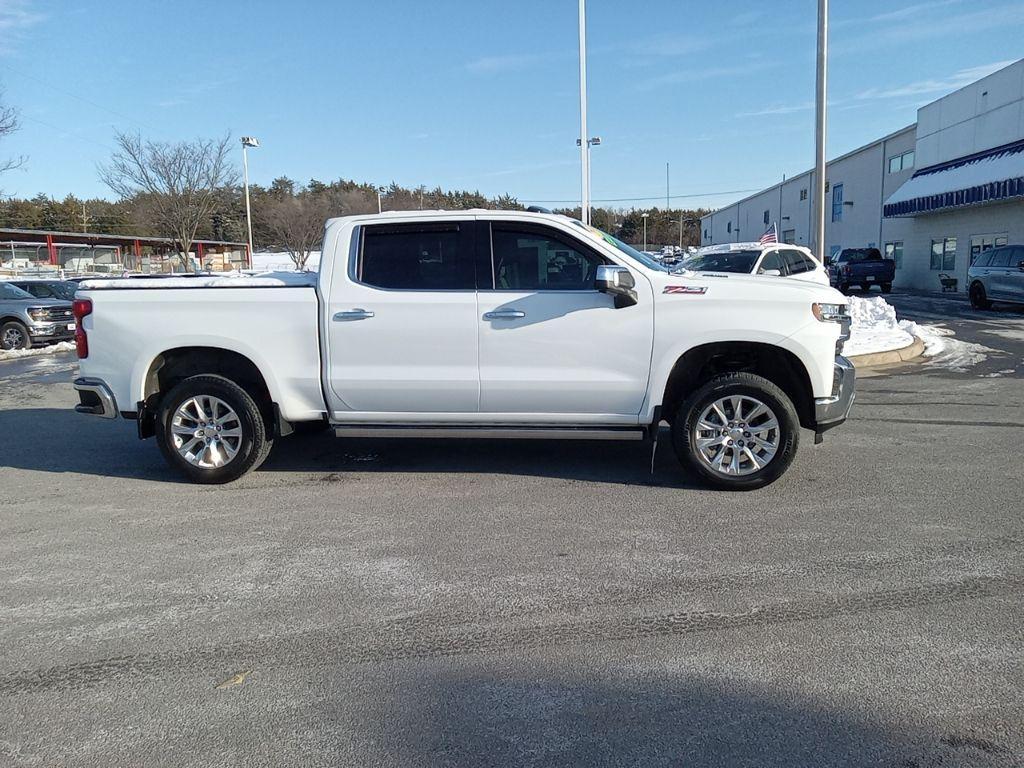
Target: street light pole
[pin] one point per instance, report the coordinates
(820, 129)
(680, 231)
(644, 216)
(248, 141)
(584, 138)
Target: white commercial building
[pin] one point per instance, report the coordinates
(932, 195)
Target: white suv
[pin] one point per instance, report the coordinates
(775, 260)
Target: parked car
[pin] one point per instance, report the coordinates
(62, 290)
(773, 260)
(469, 324)
(861, 266)
(997, 275)
(26, 320)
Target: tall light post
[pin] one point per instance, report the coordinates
(820, 128)
(248, 141)
(380, 191)
(584, 141)
(644, 217)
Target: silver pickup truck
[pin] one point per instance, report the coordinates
(26, 320)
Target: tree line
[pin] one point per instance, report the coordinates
(186, 191)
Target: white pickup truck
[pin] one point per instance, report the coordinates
(470, 324)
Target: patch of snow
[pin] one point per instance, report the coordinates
(874, 327)
(52, 349)
(265, 261)
(944, 349)
(224, 280)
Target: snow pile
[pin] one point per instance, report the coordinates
(946, 351)
(874, 327)
(53, 349)
(265, 261)
(224, 280)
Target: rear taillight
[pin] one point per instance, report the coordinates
(81, 308)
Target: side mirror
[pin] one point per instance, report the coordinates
(1020, 266)
(617, 281)
(772, 272)
(828, 261)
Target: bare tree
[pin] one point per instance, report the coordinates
(177, 183)
(8, 125)
(295, 223)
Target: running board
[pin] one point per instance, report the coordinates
(501, 432)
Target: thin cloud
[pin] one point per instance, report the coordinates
(17, 14)
(905, 12)
(922, 87)
(927, 27)
(778, 109)
(697, 75)
(512, 62)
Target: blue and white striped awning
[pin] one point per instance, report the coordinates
(985, 177)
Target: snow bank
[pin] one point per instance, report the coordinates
(225, 280)
(53, 349)
(874, 327)
(265, 261)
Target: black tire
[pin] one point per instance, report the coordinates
(14, 335)
(728, 384)
(886, 287)
(865, 287)
(979, 298)
(844, 287)
(254, 443)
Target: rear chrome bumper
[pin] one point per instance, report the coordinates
(95, 398)
(832, 411)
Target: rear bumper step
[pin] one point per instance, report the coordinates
(95, 398)
(499, 432)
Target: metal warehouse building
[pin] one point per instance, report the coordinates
(932, 195)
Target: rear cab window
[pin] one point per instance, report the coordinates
(418, 256)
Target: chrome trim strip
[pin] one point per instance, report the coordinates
(98, 387)
(489, 432)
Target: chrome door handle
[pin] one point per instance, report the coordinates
(504, 314)
(352, 314)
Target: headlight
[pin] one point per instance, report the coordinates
(37, 313)
(830, 313)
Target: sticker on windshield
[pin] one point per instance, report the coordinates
(689, 289)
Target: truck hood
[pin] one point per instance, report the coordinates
(670, 285)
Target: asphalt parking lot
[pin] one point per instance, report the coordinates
(411, 603)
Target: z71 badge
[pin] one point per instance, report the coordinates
(692, 289)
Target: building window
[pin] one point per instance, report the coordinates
(766, 215)
(902, 162)
(705, 234)
(982, 243)
(894, 251)
(728, 227)
(789, 236)
(837, 202)
(944, 254)
(803, 194)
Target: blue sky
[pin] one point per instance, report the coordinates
(482, 94)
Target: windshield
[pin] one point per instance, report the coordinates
(639, 256)
(728, 261)
(63, 290)
(8, 291)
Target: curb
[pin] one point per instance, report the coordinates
(890, 357)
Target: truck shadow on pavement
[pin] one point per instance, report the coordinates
(459, 718)
(67, 442)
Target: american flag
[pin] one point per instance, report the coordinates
(771, 235)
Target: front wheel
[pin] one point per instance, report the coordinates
(14, 335)
(738, 432)
(886, 287)
(211, 430)
(979, 299)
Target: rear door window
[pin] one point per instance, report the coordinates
(772, 260)
(424, 257)
(796, 262)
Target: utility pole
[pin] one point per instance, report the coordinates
(584, 137)
(644, 217)
(820, 132)
(85, 219)
(666, 188)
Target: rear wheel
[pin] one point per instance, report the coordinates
(14, 335)
(886, 287)
(979, 298)
(738, 432)
(844, 287)
(211, 430)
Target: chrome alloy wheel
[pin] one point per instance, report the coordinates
(206, 432)
(737, 435)
(13, 338)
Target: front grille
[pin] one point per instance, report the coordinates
(55, 314)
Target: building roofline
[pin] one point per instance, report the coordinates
(127, 239)
(789, 179)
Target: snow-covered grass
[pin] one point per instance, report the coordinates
(874, 328)
(265, 261)
(52, 349)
